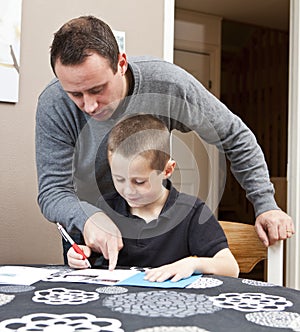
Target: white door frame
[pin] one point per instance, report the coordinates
(169, 24)
(293, 173)
(213, 51)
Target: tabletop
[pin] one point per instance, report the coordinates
(212, 303)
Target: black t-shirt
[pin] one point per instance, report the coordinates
(185, 227)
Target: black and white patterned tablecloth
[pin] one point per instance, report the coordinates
(212, 303)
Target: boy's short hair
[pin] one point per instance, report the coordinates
(141, 135)
(81, 36)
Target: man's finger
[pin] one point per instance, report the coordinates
(113, 258)
(263, 236)
(113, 248)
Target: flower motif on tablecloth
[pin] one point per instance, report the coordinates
(16, 288)
(173, 329)
(56, 274)
(161, 304)
(251, 302)
(63, 296)
(295, 324)
(111, 290)
(4, 299)
(257, 283)
(288, 320)
(205, 283)
(39, 322)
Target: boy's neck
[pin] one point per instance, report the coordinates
(151, 211)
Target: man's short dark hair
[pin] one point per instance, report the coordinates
(81, 36)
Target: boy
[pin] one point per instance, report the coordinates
(173, 233)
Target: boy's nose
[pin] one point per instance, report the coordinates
(128, 190)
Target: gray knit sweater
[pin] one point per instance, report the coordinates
(71, 152)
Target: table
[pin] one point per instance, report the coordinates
(213, 304)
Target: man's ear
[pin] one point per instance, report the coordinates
(169, 168)
(123, 64)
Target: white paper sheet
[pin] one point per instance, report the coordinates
(94, 276)
(23, 275)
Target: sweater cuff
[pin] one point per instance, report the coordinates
(263, 202)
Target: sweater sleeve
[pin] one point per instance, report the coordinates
(55, 144)
(236, 140)
(217, 125)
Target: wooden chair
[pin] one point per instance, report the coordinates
(248, 250)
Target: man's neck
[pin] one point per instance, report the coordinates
(129, 82)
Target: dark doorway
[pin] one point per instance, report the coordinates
(254, 85)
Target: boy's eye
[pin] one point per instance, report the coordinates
(139, 182)
(119, 179)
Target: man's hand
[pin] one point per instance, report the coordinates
(274, 225)
(102, 235)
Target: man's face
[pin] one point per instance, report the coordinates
(93, 86)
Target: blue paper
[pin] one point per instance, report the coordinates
(138, 280)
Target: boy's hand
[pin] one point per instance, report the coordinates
(76, 260)
(183, 268)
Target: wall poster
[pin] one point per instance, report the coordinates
(10, 38)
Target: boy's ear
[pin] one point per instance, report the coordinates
(169, 168)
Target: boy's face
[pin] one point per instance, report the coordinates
(135, 181)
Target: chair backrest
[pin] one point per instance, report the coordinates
(248, 250)
(244, 244)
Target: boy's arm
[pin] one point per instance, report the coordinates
(222, 263)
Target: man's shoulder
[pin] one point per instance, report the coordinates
(51, 89)
(140, 59)
(158, 75)
(155, 66)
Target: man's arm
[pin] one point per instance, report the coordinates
(212, 120)
(57, 130)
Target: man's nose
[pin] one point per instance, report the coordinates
(90, 104)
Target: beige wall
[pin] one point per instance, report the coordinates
(25, 236)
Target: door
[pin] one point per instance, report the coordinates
(195, 173)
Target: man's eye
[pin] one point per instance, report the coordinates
(96, 92)
(119, 180)
(76, 94)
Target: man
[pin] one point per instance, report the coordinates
(95, 87)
